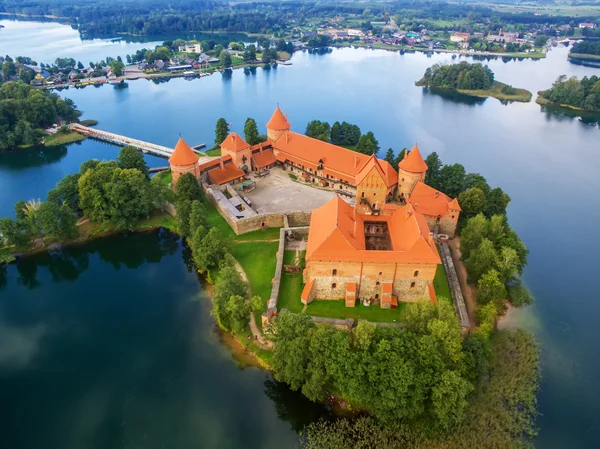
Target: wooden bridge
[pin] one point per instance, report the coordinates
(116, 139)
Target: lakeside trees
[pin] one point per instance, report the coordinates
(586, 48)
(458, 76)
(221, 131)
(24, 111)
(584, 93)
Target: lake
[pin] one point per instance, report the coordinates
(48, 40)
(110, 345)
(547, 162)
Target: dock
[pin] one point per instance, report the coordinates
(117, 139)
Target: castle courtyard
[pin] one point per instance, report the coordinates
(277, 192)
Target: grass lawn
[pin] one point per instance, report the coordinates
(496, 92)
(213, 152)
(584, 56)
(291, 285)
(440, 284)
(258, 261)
(164, 177)
(62, 139)
(338, 309)
(216, 220)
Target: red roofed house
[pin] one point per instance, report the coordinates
(439, 210)
(382, 258)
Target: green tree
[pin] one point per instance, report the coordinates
(188, 188)
(480, 260)
(56, 222)
(238, 309)
(336, 134)
(448, 399)
(434, 166)
(184, 209)
(116, 67)
(66, 192)
(251, 131)
(540, 40)
(130, 157)
(496, 202)
(228, 284)
(490, 288)
(130, 197)
(21, 210)
(221, 131)
(452, 179)
(225, 58)
(208, 251)
(197, 216)
(472, 202)
(507, 263)
(15, 233)
(389, 157)
(367, 144)
(318, 130)
(250, 53)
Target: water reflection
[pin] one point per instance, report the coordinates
(34, 157)
(565, 114)
(454, 96)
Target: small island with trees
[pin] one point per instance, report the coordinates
(585, 50)
(471, 79)
(572, 93)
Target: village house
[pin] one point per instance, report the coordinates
(190, 48)
(460, 37)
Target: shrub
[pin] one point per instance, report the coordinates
(518, 294)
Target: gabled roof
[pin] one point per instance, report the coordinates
(234, 142)
(414, 162)
(337, 161)
(183, 154)
(264, 158)
(430, 201)
(337, 233)
(372, 163)
(228, 173)
(278, 121)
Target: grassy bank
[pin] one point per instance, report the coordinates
(543, 101)
(59, 139)
(584, 56)
(521, 95)
(89, 122)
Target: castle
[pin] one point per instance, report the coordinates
(380, 250)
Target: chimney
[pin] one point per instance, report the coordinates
(261, 147)
(232, 138)
(355, 223)
(355, 161)
(221, 163)
(287, 137)
(406, 153)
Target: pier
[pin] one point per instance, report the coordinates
(117, 139)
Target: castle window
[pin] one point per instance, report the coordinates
(377, 284)
(334, 272)
(334, 285)
(416, 273)
(403, 179)
(452, 216)
(380, 273)
(362, 195)
(412, 285)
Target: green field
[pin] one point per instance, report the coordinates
(521, 95)
(58, 139)
(440, 284)
(164, 177)
(338, 309)
(216, 220)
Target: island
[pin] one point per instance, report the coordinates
(571, 93)
(471, 79)
(348, 289)
(588, 50)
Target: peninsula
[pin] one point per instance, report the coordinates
(579, 95)
(471, 79)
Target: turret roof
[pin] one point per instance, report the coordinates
(278, 121)
(414, 162)
(183, 154)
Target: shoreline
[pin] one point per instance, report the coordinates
(521, 95)
(542, 101)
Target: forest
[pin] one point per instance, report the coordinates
(583, 94)
(25, 111)
(587, 48)
(458, 76)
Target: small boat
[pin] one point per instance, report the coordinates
(454, 56)
(402, 51)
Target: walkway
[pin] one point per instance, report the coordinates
(455, 287)
(117, 139)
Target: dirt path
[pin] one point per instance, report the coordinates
(259, 338)
(467, 290)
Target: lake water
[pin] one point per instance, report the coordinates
(110, 345)
(548, 163)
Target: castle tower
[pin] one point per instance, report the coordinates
(371, 188)
(183, 160)
(239, 150)
(277, 126)
(411, 169)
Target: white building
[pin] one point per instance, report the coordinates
(190, 48)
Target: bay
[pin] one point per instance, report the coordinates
(547, 162)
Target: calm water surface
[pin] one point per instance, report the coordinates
(548, 164)
(111, 345)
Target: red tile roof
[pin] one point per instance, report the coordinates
(430, 201)
(278, 121)
(432, 295)
(337, 233)
(264, 159)
(234, 142)
(183, 154)
(228, 173)
(306, 290)
(414, 162)
(337, 161)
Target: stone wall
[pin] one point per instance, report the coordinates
(330, 279)
(457, 296)
(444, 226)
(169, 208)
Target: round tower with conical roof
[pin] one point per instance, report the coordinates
(277, 126)
(411, 170)
(183, 160)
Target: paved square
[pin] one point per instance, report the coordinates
(278, 193)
